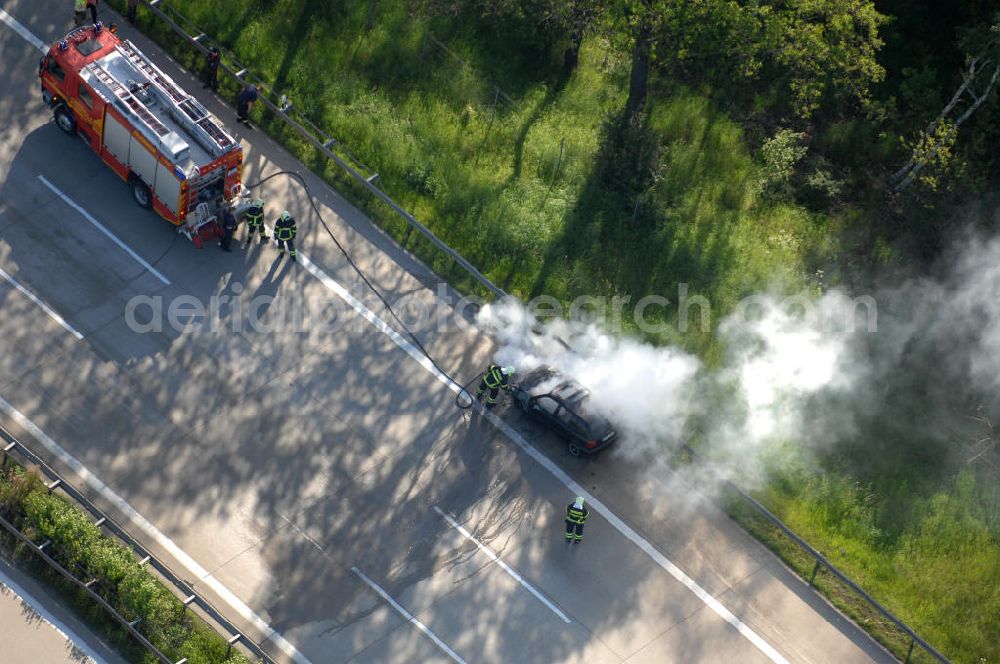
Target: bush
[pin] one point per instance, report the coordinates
(80, 547)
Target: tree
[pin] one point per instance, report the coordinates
(580, 16)
(636, 24)
(933, 145)
(827, 47)
(816, 48)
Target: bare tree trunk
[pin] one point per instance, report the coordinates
(370, 19)
(571, 56)
(930, 127)
(638, 86)
(915, 165)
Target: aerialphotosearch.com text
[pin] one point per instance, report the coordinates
(236, 310)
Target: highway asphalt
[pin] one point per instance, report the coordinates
(310, 482)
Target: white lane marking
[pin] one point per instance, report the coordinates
(25, 34)
(301, 532)
(377, 322)
(503, 565)
(68, 634)
(152, 532)
(550, 466)
(44, 307)
(111, 236)
(410, 618)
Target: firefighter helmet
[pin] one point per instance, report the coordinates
(285, 216)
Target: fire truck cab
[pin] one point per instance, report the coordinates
(176, 157)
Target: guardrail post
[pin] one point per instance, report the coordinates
(812, 577)
(7, 449)
(229, 644)
(187, 601)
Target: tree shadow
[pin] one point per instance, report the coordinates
(553, 92)
(626, 229)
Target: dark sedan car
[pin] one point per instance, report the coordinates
(564, 409)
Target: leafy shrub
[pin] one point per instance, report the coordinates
(780, 155)
(82, 548)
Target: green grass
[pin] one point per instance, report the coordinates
(938, 569)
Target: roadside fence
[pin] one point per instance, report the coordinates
(11, 447)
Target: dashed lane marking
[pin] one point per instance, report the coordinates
(99, 226)
(502, 565)
(44, 307)
(409, 617)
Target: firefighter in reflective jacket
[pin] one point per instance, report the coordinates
(576, 516)
(255, 220)
(284, 233)
(493, 380)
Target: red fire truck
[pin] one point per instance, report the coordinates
(176, 157)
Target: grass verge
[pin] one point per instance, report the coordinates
(939, 572)
(86, 552)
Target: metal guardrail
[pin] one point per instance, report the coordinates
(317, 138)
(181, 589)
(86, 587)
(324, 145)
(821, 561)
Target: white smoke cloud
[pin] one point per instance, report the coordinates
(644, 390)
(778, 360)
(913, 372)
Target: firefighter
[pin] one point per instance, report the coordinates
(79, 12)
(284, 234)
(228, 228)
(255, 221)
(244, 103)
(494, 378)
(212, 69)
(576, 516)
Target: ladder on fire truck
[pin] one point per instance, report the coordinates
(130, 100)
(188, 111)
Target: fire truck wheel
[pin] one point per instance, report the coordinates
(140, 192)
(65, 120)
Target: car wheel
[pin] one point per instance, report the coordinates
(140, 192)
(574, 450)
(65, 120)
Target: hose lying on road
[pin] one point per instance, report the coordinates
(413, 337)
